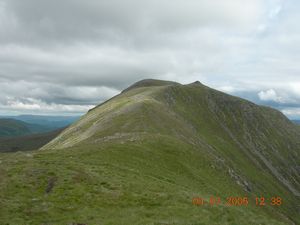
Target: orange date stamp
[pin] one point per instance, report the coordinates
(238, 201)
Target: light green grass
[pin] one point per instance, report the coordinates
(128, 183)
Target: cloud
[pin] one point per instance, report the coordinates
(30, 105)
(293, 113)
(71, 20)
(73, 52)
(270, 95)
(44, 97)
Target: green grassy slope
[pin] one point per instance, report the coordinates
(141, 157)
(121, 183)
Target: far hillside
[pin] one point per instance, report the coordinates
(296, 121)
(30, 132)
(12, 127)
(27, 142)
(52, 122)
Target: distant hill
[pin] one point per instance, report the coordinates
(52, 122)
(27, 142)
(142, 157)
(296, 121)
(12, 127)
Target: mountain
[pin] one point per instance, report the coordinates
(27, 142)
(144, 155)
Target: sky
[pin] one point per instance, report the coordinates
(65, 56)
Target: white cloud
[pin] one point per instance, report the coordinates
(270, 95)
(30, 105)
(275, 11)
(292, 112)
(295, 88)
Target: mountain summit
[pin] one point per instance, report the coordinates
(150, 83)
(146, 153)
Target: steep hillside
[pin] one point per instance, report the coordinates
(141, 157)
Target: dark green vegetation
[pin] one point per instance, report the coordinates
(142, 156)
(27, 142)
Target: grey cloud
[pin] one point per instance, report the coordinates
(52, 50)
(284, 97)
(55, 93)
(76, 19)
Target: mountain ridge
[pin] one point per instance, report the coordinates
(217, 103)
(150, 83)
